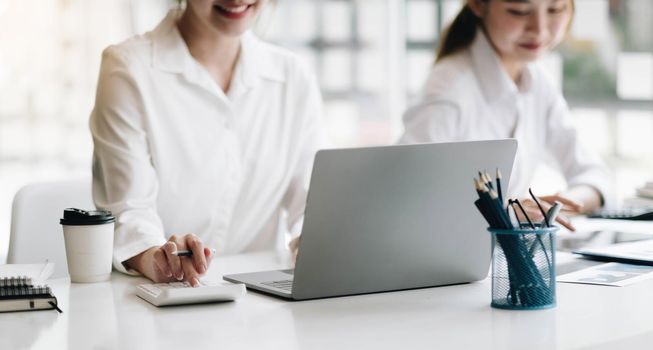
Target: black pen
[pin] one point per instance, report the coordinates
(546, 220)
(530, 223)
(188, 252)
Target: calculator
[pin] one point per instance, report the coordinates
(180, 293)
(643, 214)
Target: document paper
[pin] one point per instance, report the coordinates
(610, 274)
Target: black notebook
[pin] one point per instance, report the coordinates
(20, 294)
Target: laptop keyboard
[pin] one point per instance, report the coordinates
(284, 284)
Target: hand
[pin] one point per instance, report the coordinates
(294, 248)
(569, 207)
(160, 264)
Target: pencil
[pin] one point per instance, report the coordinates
(504, 218)
(488, 180)
(484, 204)
(498, 179)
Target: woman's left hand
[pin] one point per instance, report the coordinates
(294, 248)
(570, 206)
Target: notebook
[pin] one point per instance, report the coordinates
(21, 288)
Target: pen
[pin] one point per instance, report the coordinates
(188, 252)
(530, 223)
(553, 212)
(546, 221)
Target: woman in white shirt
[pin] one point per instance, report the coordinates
(204, 137)
(485, 85)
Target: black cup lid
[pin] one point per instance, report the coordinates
(73, 216)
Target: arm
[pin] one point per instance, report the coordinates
(431, 120)
(588, 177)
(311, 138)
(125, 181)
(589, 196)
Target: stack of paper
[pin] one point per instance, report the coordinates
(640, 252)
(610, 274)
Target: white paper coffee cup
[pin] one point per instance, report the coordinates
(88, 236)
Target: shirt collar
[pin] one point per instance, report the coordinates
(169, 51)
(256, 62)
(494, 80)
(170, 54)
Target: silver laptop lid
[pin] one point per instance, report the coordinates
(396, 217)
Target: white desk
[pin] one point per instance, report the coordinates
(109, 316)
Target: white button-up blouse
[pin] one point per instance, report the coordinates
(469, 96)
(174, 155)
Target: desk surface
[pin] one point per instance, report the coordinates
(110, 316)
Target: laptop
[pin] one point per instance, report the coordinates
(390, 218)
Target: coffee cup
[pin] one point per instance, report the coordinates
(88, 236)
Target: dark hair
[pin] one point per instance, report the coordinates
(459, 34)
(462, 31)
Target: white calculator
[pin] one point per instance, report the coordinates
(179, 293)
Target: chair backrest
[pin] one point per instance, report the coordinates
(36, 234)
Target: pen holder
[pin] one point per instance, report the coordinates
(523, 268)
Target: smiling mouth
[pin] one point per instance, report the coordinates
(232, 12)
(533, 46)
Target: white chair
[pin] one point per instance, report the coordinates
(36, 234)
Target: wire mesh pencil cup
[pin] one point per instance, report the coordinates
(523, 268)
